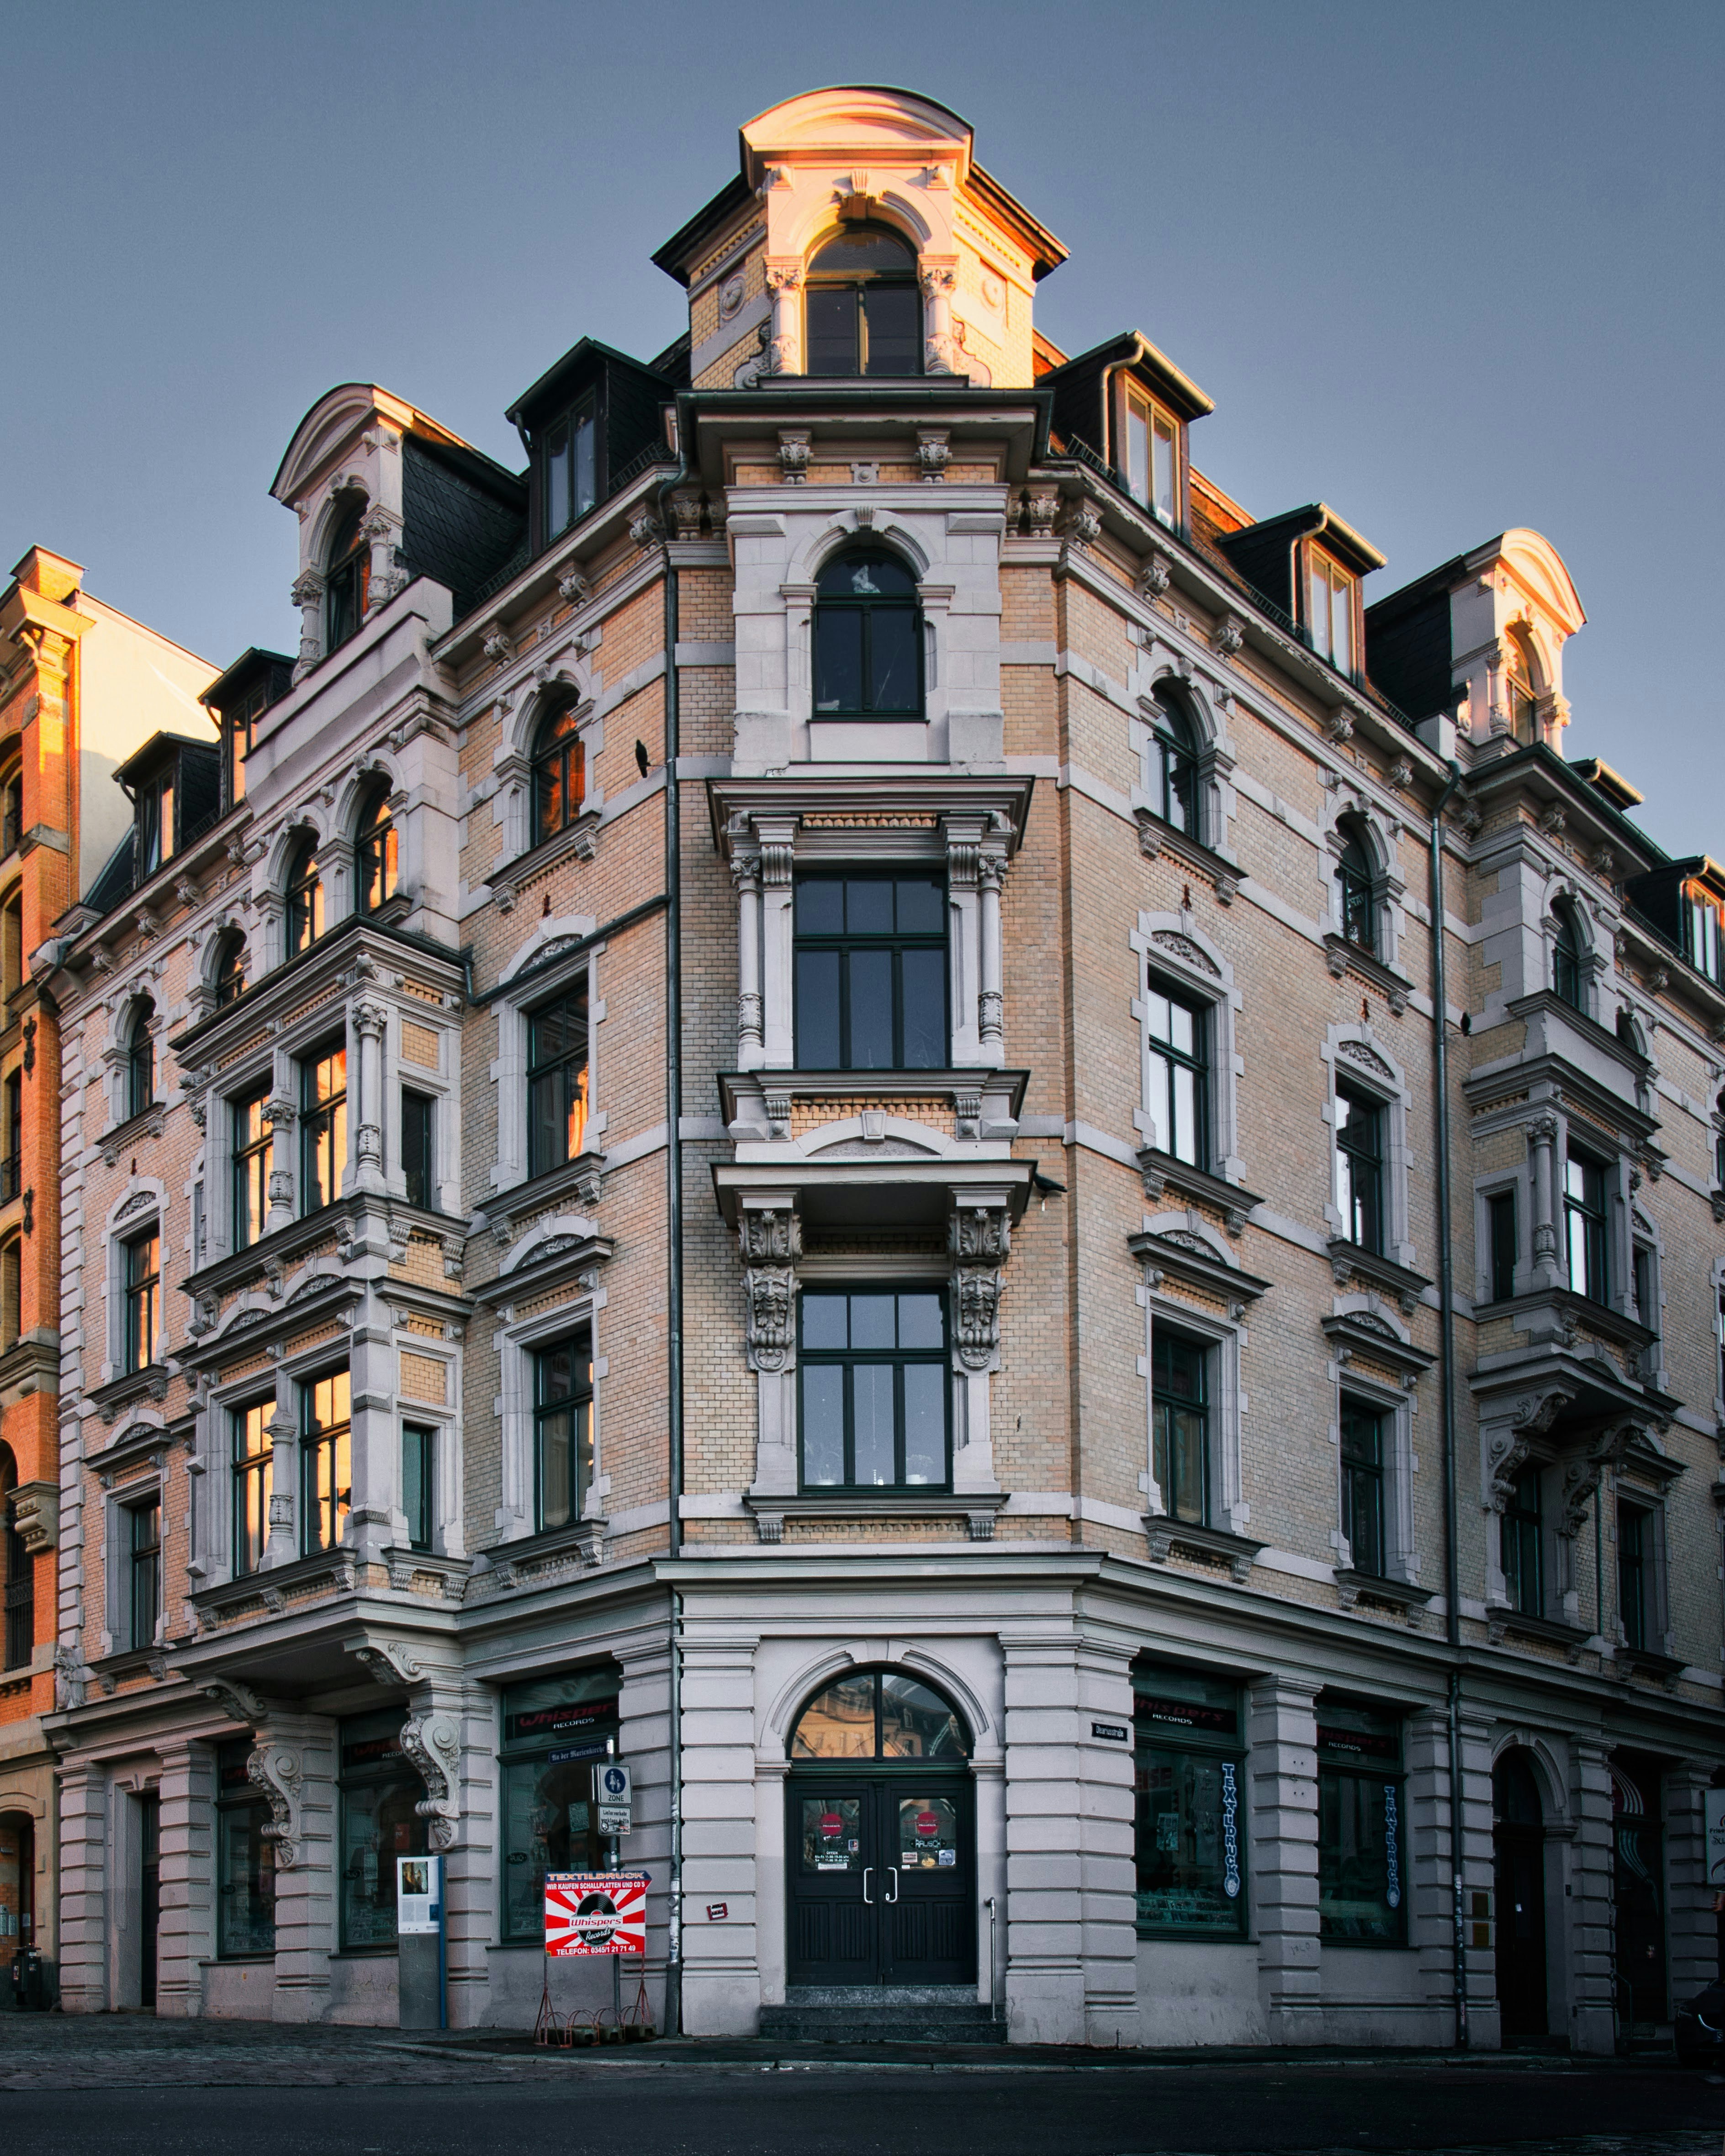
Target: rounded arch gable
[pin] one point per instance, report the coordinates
(1185, 696)
(930, 1671)
(141, 1193)
(285, 846)
(377, 771)
(547, 936)
(840, 537)
(567, 686)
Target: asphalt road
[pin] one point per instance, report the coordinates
(692, 2109)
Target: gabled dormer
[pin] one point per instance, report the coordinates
(383, 495)
(174, 784)
(237, 701)
(1129, 403)
(1311, 564)
(583, 425)
(1685, 901)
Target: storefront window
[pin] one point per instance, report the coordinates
(1361, 1865)
(245, 1863)
(1190, 1818)
(553, 1730)
(380, 1791)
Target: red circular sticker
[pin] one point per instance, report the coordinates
(830, 1825)
(926, 1823)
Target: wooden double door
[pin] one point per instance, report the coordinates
(882, 1879)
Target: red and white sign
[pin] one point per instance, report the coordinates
(928, 1823)
(595, 1912)
(831, 1826)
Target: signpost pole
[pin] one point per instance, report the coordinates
(615, 1862)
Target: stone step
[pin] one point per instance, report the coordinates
(875, 2015)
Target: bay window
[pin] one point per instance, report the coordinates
(871, 972)
(254, 1474)
(1152, 450)
(323, 1127)
(326, 1460)
(872, 1370)
(867, 635)
(863, 312)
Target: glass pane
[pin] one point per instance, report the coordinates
(831, 1834)
(545, 1132)
(819, 1045)
(830, 321)
(1189, 1844)
(379, 1824)
(556, 482)
(895, 319)
(245, 1874)
(872, 574)
(1137, 450)
(892, 660)
(869, 1000)
(1187, 1435)
(1185, 1089)
(861, 251)
(919, 1322)
(924, 975)
(837, 659)
(1341, 628)
(921, 905)
(547, 1826)
(928, 1833)
(557, 1467)
(823, 1320)
(924, 1422)
(869, 905)
(1158, 1075)
(916, 1723)
(820, 905)
(1360, 1858)
(838, 1723)
(872, 1321)
(823, 1424)
(585, 488)
(1163, 497)
(1320, 610)
(872, 1421)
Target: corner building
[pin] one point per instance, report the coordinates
(799, 1127)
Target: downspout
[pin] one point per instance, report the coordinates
(1446, 1368)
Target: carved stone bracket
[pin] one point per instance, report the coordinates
(979, 1239)
(431, 1741)
(770, 1241)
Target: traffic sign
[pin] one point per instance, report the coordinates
(613, 1783)
(616, 1819)
(595, 1912)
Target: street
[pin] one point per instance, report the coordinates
(79, 2086)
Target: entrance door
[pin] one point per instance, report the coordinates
(882, 1880)
(149, 1896)
(1519, 1848)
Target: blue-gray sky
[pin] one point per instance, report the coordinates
(1450, 267)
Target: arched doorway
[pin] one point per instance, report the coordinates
(1518, 1849)
(880, 1842)
(18, 1888)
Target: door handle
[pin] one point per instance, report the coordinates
(868, 1901)
(893, 1869)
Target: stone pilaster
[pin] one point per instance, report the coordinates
(1592, 1904)
(185, 1936)
(1692, 1929)
(1283, 1769)
(722, 1831)
(84, 1885)
(294, 1763)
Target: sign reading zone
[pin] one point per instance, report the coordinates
(595, 1912)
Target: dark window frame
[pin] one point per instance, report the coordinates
(574, 1724)
(18, 1575)
(249, 1166)
(140, 1059)
(303, 898)
(559, 1077)
(419, 1147)
(847, 942)
(1361, 1168)
(141, 1293)
(825, 284)
(377, 853)
(848, 1359)
(1521, 1546)
(1568, 975)
(577, 1404)
(143, 1569)
(1169, 1725)
(1169, 1347)
(832, 608)
(579, 493)
(1637, 1573)
(254, 1479)
(418, 1483)
(1175, 773)
(228, 979)
(346, 580)
(1370, 1759)
(1502, 1243)
(323, 1128)
(1161, 1050)
(1366, 1433)
(559, 772)
(322, 1498)
(236, 1796)
(1586, 1217)
(1356, 889)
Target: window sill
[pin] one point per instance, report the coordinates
(147, 1123)
(977, 1507)
(1157, 836)
(149, 1384)
(1342, 955)
(576, 841)
(1644, 1662)
(1354, 1261)
(265, 1593)
(1403, 1594)
(1163, 1172)
(540, 1560)
(581, 1179)
(1502, 1623)
(1165, 1535)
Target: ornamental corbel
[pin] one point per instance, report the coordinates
(1228, 638)
(1337, 726)
(276, 1769)
(646, 530)
(431, 1741)
(1084, 526)
(795, 448)
(934, 450)
(1040, 511)
(1155, 576)
(498, 646)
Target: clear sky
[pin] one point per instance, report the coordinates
(1450, 267)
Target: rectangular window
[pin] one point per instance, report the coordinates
(556, 1081)
(1180, 1424)
(1646, 1296)
(562, 1430)
(155, 824)
(1362, 1486)
(571, 467)
(1151, 438)
(251, 1140)
(1331, 618)
(9, 1178)
(872, 1371)
(1360, 1861)
(143, 1555)
(12, 1291)
(1635, 1573)
(246, 1862)
(418, 1482)
(1501, 1221)
(417, 1166)
(141, 1259)
(380, 1793)
(871, 972)
(1523, 1543)
(326, 1460)
(1177, 1055)
(553, 1730)
(323, 1127)
(254, 1479)
(1584, 1226)
(1359, 1169)
(1190, 1827)
(12, 946)
(1703, 933)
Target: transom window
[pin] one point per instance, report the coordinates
(879, 1714)
(1151, 440)
(1363, 1485)
(1331, 612)
(1522, 1545)
(304, 899)
(251, 1142)
(1566, 976)
(870, 965)
(1178, 1060)
(1179, 1372)
(863, 312)
(562, 1430)
(571, 468)
(347, 581)
(872, 1368)
(1354, 886)
(1584, 1224)
(254, 1455)
(868, 660)
(141, 1259)
(1174, 765)
(556, 1081)
(141, 1060)
(323, 1127)
(559, 773)
(1359, 1168)
(326, 1460)
(378, 853)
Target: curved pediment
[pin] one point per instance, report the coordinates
(874, 1136)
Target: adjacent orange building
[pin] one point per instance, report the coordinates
(81, 683)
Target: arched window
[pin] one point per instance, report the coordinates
(1523, 712)
(378, 853)
(1174, 763)
(1357, 906)
(141, 1060)
(559, 773)
(347, 578)
(863, 313)
(881, 1714)
(1566, 962)
(12, 809)
(230, 969)
(868, 658)
(304, 899)
(12, 943)
(18, 1570)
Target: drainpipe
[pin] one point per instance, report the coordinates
(1446, 1326)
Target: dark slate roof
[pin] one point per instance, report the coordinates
(462, 517)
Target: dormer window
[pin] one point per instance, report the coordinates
(1330, 611)
(236, 739)
(1703, 942)
(1518, 687)
(1152, 442)
(153, 804)
(864, 311)
(571, 468)
(346, 580)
